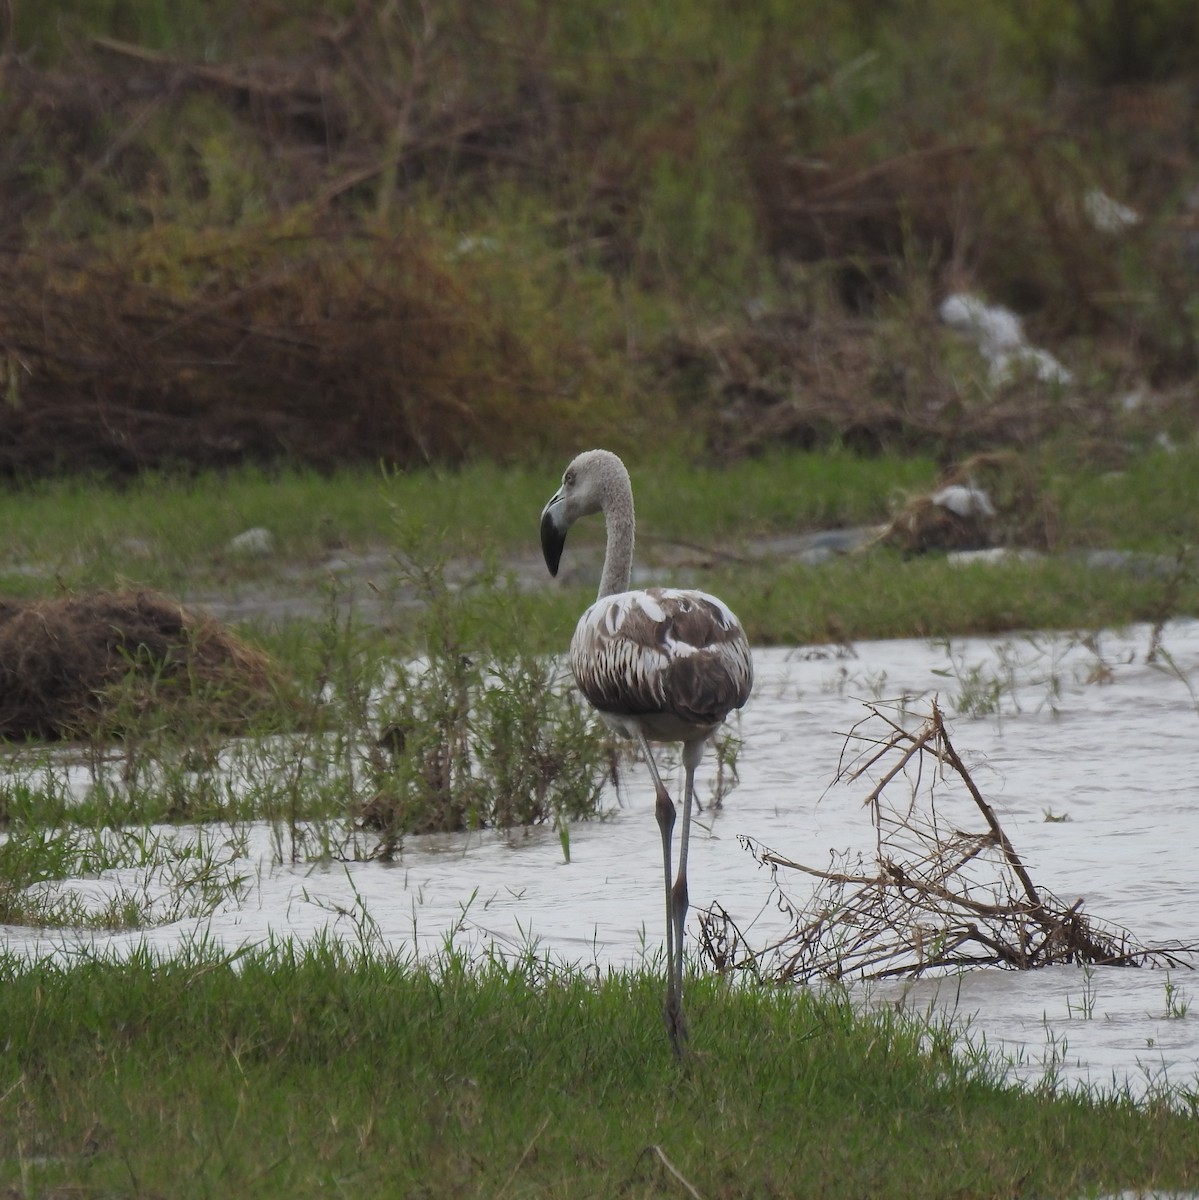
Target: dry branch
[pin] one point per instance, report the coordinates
(938, 895)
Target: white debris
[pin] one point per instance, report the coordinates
(1041, 363)
(964, 501)
(475, 244)
(1108, 215)
(991, 325)
(1001, 340)
(257, 542)
(997, 557)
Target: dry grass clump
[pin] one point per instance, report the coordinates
(886, 385)
(77, 665)
(946, 890)
(318, 344)
(998, 503)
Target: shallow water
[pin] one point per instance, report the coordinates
(1092, 734)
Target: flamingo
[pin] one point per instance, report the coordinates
(658, 665)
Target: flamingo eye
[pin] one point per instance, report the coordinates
(569, 479)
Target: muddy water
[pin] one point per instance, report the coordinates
(1093, 736)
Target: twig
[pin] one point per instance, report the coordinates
(988, 813)
(656, 1149)
(520, 1162)
(928, 903)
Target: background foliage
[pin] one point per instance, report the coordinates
(430, 231)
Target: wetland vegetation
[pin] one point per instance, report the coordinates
(283, 1071)
(365, 275)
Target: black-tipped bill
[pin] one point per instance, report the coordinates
(553, 538)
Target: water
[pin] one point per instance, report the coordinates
(1093, 734)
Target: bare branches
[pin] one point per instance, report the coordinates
(944, 891)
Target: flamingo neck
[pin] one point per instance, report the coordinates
(621, 524)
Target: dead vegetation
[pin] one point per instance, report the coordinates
(285, 248)
(984, 501)
(946, 889)
(793, 380)
(78, 666)
(278, 344)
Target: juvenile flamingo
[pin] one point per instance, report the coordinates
(658, 664)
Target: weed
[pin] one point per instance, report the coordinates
(985, 688)
(487, 232)
(995, 686)
(1177, 1001)
(1084, 1007)
(727, 747)
(480, 731)
(117, 879)
(1175, 580)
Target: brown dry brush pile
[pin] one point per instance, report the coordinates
(946, 890)
(328, 329)
(80, 666)
(318, 332)
(1021, 513)
(320, 350)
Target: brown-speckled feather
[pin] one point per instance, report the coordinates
(662, 650)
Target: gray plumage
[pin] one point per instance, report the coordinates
(663, 653)
(657, 664)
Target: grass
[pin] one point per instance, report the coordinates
(1143, 506)
(365, 747)
(887, 597)
(286, 1071)
(166, 530)
(339, 233)
(174, 534)
(154, 878)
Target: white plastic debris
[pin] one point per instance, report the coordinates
(257, 542)
(965, 501)
(991, 325)
(1001, 340)
(1041, 363)
(998, 556)
(1108, 215)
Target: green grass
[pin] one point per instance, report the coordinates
(885, 596)
(160, 528)
(174, 533)
(602, 223)
(191, 876)
(290, 1072)
(493, 736)
(1148, 505)
(696, 526)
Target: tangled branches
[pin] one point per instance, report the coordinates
(944, 891)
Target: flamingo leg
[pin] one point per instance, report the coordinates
(664, 810)
(679, 900)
